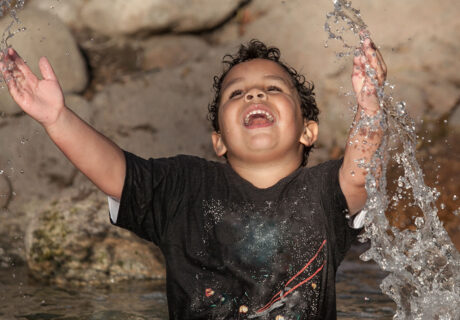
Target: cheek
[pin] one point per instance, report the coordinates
(227, 114)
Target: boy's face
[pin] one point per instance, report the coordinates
(260, 118)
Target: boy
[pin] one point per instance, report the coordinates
(259, 236)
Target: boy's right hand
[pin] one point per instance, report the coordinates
(42, 99)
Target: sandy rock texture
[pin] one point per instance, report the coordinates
(150, 82)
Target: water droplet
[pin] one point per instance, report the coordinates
(454, 197)
(419, 222)
(442, 206)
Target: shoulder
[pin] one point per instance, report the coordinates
(177, 160)
(179, 165)
(190, 162)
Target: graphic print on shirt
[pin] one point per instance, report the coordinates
(273, 249)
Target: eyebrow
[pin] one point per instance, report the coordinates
(274, 77)
(270, 76)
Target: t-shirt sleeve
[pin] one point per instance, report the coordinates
(151, 196)
(336, 209)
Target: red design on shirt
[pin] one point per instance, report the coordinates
(282, 294)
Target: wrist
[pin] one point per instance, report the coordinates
(58, 120)
(370, 110)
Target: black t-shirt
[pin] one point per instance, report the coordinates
(234, 251)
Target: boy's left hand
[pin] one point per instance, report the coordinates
(364, 83)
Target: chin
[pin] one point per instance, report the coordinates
(262, 146)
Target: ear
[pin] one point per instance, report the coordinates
(218, 143)
(310, 133)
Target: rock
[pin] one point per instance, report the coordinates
(5, 190)
(80, 106)
(161, 113)
(442, 97)
(67, 11)
(34, 165)
(170, 51)
(121, 17)
(71, 241)
(454, 119)
(334, 120)
(46, 35)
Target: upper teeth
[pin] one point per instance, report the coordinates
(265, 113)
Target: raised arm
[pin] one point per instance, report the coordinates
(362, 142)
(97, 157)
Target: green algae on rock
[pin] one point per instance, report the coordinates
(71, 242)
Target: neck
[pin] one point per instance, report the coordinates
(264, 174)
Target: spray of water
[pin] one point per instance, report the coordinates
(423, 264)
(10, 7)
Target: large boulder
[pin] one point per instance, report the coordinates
(70, 241)
(127, 17)
(45, 35)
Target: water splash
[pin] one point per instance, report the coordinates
(10, 7)
(423, 264)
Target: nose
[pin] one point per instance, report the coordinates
(254, 94)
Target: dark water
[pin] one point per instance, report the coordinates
(22, 298)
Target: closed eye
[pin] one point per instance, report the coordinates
(274, 88)
(235, 93)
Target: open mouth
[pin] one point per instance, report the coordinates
(258, 118)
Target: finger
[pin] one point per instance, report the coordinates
(369, 50)
(381, 69)
(375, 60)
(6, 72)
(358, 66)
(382, 62)
(12, 86)
(382, 75)
(20, 63)
(46, 69)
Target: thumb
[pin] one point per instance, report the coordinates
(46, 69)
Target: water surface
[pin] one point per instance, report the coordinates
(22, 298)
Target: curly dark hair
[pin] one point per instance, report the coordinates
(256, 49)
